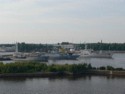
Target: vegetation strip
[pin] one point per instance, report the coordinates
(36, 69)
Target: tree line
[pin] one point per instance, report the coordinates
(25, 47)
(103, 46)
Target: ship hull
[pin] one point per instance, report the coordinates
(63, 57)
(41, 58)
(97, 56)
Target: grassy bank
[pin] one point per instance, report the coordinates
(32, 67)
(36, 69)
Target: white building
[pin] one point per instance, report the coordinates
(67, 45)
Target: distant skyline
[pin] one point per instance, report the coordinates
(53, 21)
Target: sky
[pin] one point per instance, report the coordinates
(53, 21)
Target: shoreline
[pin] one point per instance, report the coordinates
(66, 74)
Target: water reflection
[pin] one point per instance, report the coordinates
(82, 85)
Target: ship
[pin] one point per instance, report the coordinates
(5, 58)
(60, 56)
(35, 56)
(31, 57)
(100, 54)
(90, 53)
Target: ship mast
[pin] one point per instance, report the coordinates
(17, 47)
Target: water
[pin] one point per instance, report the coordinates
(84, 85)
(118, 60)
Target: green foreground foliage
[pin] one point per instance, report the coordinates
(32, 67)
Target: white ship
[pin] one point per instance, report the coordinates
(31, 57)
(37, 56)
(92, 54)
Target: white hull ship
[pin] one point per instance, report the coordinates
(92, 54)
(95, 54)
(31, 57)
(37, 56)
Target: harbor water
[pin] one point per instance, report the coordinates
(83, 85)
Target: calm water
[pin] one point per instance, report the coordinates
(84, 85)
(118, 60)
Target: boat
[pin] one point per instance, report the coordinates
(35, 56)
(3, 58)
(96, 54)
(38, 58)
(60, 56)
(90, 53)
(32, 57)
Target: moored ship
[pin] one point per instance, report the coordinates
(60, 56)
(94, 54)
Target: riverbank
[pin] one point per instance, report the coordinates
(66, 74)
(37, 69)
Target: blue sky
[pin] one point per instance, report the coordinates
(52, 21)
